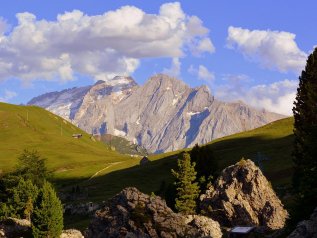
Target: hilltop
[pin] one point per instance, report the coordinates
(31, 127)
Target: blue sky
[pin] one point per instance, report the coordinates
(243, 50)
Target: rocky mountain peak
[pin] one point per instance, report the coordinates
(243, 196)
(162, 115)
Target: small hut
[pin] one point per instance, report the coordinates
(77, 136)
(242, 231)
(144, 160)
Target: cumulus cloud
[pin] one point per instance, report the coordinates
(275, 97)
(275, 50)
(100, 46)
(8, 95)
(175, 68)
(202, 73)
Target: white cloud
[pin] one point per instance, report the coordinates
(8, 95)
(275, 97)
(99, 46)
(202, 73)
(205, 74)
(175, 68)
(275, 50)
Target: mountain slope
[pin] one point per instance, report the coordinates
(273, 141)
(30, 127)
(165, 114)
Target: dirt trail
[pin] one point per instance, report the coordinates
(109, 165)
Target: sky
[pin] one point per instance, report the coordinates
(248, 50)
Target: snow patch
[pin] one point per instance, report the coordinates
(138, 121)
(192, 113)
(119, 133)
(175, 100)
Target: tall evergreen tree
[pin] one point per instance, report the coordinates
(305, 131)
(31, 166)
(206, 165)
(47, 216)
(186, 187)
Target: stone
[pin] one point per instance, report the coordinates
(307, 228)
(71, 233)
(13, 227)
(134, 214)
(243, 196)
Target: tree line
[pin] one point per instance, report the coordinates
(26, 193)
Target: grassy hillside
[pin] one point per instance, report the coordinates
(29, 127)
(101, 172)
(273, 141)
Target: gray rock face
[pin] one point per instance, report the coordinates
(243, 196)
(307, 228)
(134, 214)
(162, 115)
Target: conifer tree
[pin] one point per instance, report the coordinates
(186, 187)
(47, 216)
(206, 165)
(305, 131)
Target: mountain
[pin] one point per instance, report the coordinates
(162, 115)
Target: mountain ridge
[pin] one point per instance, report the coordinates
(162, 115)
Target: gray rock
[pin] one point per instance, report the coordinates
(307, 228)
(134, 214)
(243, 196)
(164, 114)
(71, 233)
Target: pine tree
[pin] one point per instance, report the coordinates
(47, 216)
(305, 131)
(31, 166)
(21, 203)
(206, 165)
(186, 187)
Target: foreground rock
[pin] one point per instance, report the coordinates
(12, 228)
(243, 196)
(306, 229)
(71, 233)
(136, 215)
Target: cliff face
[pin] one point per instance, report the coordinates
(162, 115)
(243, 196)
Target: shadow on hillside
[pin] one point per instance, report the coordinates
(149, 177)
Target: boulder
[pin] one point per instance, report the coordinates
(71, 233)
(307, 228)
(12, 228)
(132, 214)
(243, 196)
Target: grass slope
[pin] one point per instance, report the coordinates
(29, 127)
(273, 141)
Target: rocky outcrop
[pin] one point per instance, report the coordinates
(307, 228)
(134, 214)
(12, 228)
(164, 114)
(243, 196)
(71, 233)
